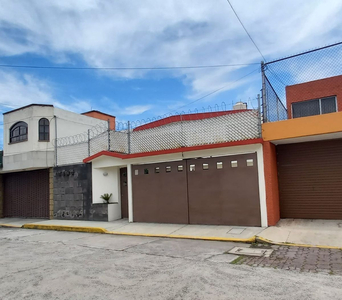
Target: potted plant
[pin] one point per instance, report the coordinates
(106, 197)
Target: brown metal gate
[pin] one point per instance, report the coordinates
(160, 193)
(224, 190)
(217, 191)
(26, 194)
(310, 180)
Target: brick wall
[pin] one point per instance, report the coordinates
(271, 182)
(72, 194)
(313, 90)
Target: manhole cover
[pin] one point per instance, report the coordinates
(251, 251)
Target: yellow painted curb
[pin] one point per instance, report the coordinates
(10, 226)
(65, 228)
(261, 239)
(189, 237)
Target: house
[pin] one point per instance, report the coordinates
(305, 153)
(204, 168)
(30, 154)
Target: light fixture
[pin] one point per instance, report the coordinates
(105, 174)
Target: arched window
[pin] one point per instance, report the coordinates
(18, 132)
(44, 130)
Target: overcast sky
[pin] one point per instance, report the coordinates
(150, 33)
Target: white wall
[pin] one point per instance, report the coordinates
(70, 123)
(32, 154)
(107, 184)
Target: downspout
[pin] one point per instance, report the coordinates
(55, 141)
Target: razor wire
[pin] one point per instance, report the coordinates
(286, 73)
(175, 131)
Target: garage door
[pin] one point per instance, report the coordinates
(26, 194)
(160, 193)
(217, 191)
(224, 190)
(310, 180)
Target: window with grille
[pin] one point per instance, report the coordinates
(314, 107)
(18, 132)
(44, 129)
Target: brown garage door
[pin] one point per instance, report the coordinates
(218, 191)
(26, 194)
(160, 193)
(224, 190)
(310, 180)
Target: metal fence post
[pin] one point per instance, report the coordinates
(259, 117)
(108, 135)
(264, 101)
(88, 142)
(129, 137)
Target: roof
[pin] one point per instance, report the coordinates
(187, 117)
(97, 111)
(33, 104)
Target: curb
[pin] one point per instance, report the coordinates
(65, 228)
(102, 230)
(263, 240)
(10, 226)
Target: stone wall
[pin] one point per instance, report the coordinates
(72, 194)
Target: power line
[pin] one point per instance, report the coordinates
(125, 68)
(246, 30)
(215, 91)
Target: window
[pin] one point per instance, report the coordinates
(180, 168)
(156, 170)
(205, 166)
(168, 169)
(219, 165)
(314, 107)
(18, 132)
(44, 130)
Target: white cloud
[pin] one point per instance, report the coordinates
(135, 109)
(169, 32)
(18, 90)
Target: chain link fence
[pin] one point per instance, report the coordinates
(178, 131)
(298, 78)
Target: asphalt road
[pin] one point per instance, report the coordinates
(66, 265)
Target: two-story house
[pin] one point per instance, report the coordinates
(306, 152)
(29, 154)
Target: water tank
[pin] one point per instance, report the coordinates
(240, 105)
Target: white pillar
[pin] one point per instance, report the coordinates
(262, 187)
(130, 193)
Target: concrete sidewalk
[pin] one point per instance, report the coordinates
(123, 227)
(299, 232)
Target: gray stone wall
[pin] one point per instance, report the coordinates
(72, 189)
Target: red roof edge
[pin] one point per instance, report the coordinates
(187, 117)
(171, 151)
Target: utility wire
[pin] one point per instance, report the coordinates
(246, 30)
(124, 68)
(215, 91)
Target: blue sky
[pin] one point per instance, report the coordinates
(150, 33)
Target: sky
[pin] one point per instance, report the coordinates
(151, 33)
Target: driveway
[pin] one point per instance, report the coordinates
(68, 265)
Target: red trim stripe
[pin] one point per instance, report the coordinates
(170, 151)
(187, 117)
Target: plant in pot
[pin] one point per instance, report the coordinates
(106, 197)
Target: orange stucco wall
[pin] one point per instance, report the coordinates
(101, 116)
(326, 87)
(302, 127)
(271, 183)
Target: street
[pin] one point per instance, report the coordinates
(38, 264)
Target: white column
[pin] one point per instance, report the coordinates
(262, 188)
(130, 193)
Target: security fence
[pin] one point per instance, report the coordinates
(176, 131)
(281, 81)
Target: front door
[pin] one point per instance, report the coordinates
(124, 193)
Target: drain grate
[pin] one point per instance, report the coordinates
(251, 251)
